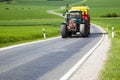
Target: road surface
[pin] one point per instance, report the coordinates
(48, 60)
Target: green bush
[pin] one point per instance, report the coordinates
(110, 15)
(6, 8)
(114, 15)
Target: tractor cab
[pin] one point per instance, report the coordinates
(74, 19)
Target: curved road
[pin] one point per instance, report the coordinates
(48, 60)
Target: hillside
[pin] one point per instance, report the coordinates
(30, 9)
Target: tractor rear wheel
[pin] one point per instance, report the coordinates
(64, 31)
(83, 30)
(69, 34)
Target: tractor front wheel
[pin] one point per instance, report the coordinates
(64, 31)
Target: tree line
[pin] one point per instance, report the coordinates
(5, 0)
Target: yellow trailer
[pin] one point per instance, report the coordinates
(81, 8)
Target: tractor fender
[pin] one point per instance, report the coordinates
(64, 24)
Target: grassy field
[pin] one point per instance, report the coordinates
(102, 7)
(21, 12)
(23, 20)
(15, 32)
(31, 22)
(109, 23)
(30, 9)
(19, 34)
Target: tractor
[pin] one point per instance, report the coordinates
(76, 21)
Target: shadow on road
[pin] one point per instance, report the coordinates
(90, 36)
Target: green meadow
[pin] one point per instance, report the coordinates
(19, 34)
(102, 7)
(18, 12)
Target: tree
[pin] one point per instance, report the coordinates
(8, 1)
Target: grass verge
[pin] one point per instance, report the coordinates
(112, 66)
(19, 34)
(111, 70)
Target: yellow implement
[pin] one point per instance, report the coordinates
(81, 8)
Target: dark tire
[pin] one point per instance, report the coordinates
(83, 30)
(69, 34)
(64, 31)
(88, 30)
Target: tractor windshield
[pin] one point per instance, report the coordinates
(75, 14)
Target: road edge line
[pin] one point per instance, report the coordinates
(81, 61)
(27, 43)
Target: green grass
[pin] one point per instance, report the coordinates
(102, 7)
(18, 12)
(112, 66)
(31, 22)
(20, 31)
(99, 8)
(47, 3)
(111, 70)
(15, 34)
(109, 23)
(31, 9)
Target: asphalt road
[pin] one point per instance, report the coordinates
(48, 60)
